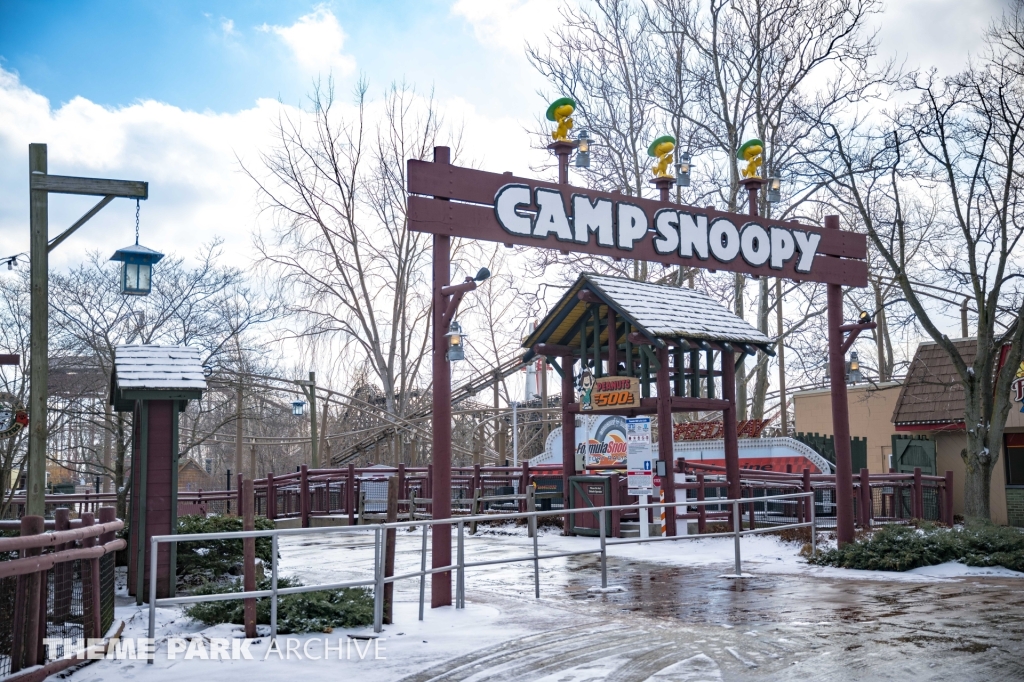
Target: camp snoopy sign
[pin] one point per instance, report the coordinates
(464, 202)
(621, 224)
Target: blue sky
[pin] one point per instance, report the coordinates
(223, 56)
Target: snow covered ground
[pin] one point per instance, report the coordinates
(674, 618)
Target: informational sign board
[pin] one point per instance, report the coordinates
(609, 393)
(524, 211)
(639, 460)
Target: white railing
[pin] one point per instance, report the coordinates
(379, 580)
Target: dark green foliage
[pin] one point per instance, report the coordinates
(296, 613)
(901, 548)
(204, 561)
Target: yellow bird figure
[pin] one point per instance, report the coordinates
(559, 111)
(752, 151)
(662, 149)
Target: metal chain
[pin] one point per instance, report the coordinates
(137, 222)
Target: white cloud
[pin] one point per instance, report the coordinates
(316, 41)
(196, 188)
(509, 24)
(228, 27)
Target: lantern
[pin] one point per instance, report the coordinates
(136, 268)
(298, 408)
(683, 170)
(774, 190)
(456, 342)
(853, 374)
(583, 150)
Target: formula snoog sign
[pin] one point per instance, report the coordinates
(473, 204)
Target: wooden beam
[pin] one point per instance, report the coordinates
(14, 359)
(64, 184)
(650, 406)
(553, 350)
(56, 241)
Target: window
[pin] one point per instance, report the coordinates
(1014, 465)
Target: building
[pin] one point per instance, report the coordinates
(920, 422)
(191, 476)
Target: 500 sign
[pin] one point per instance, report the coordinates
(607, 393)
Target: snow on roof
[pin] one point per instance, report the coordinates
(667, 311)
(159, 367)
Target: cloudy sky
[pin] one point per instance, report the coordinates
(180, 93)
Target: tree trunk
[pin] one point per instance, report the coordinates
(977, 484)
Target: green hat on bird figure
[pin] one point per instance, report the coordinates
(751, 151)
(559, 111)
(662, 149)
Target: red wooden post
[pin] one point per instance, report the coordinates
(918, 494)
(430, 489)
(616, 516)
(808, 501)
(665, 449)
(91, 585)
(240, 502)
(63, 573)
(403, 493)
(477, 482)
(350, 494)
(702, 511)
(271, 497)
(568, 437)
(441, 411)
(26, 644)
(304, 495)
(249, 557)
(866, 501)
(948, 501)
(732, 448)
(840, 409)
(524, 482)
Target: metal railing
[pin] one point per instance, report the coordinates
(379, 580)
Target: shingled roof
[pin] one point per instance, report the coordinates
(156, 372)
(658, 311)
(932, 393)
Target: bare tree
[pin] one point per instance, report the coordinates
(335, 185)
(959, 141)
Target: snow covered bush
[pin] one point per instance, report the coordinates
(200, 562)
(320, 611)
(902, 548)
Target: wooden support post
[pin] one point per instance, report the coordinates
(90, 586)
(249, 557)
(918, 494)
(947, 502)
(616, 516)
(271, 497)
(866, 505)
(665, 441)
(732, 453)
(568, 437)
(30, 588)
(524, 483)
(474, 509)
(350, 494)
(613, 344)
(304, 495)
(531, 506)
(239, 494)
(808, 502)
(390, 538)
(63, 573)
(702, 511)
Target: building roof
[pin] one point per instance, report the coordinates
(155, 373)
(932, 392)
(659, 312)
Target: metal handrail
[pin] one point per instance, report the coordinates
(459, 567)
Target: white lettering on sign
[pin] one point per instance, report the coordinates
(621, 225)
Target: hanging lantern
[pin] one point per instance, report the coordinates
(683, 170)
(583, 150)
(456, 342)
(136, 264)
(774, 190)
(298, 408)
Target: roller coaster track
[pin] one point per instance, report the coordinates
(468, 389)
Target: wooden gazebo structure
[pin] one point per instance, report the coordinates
(661, 334)
(155, 383)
